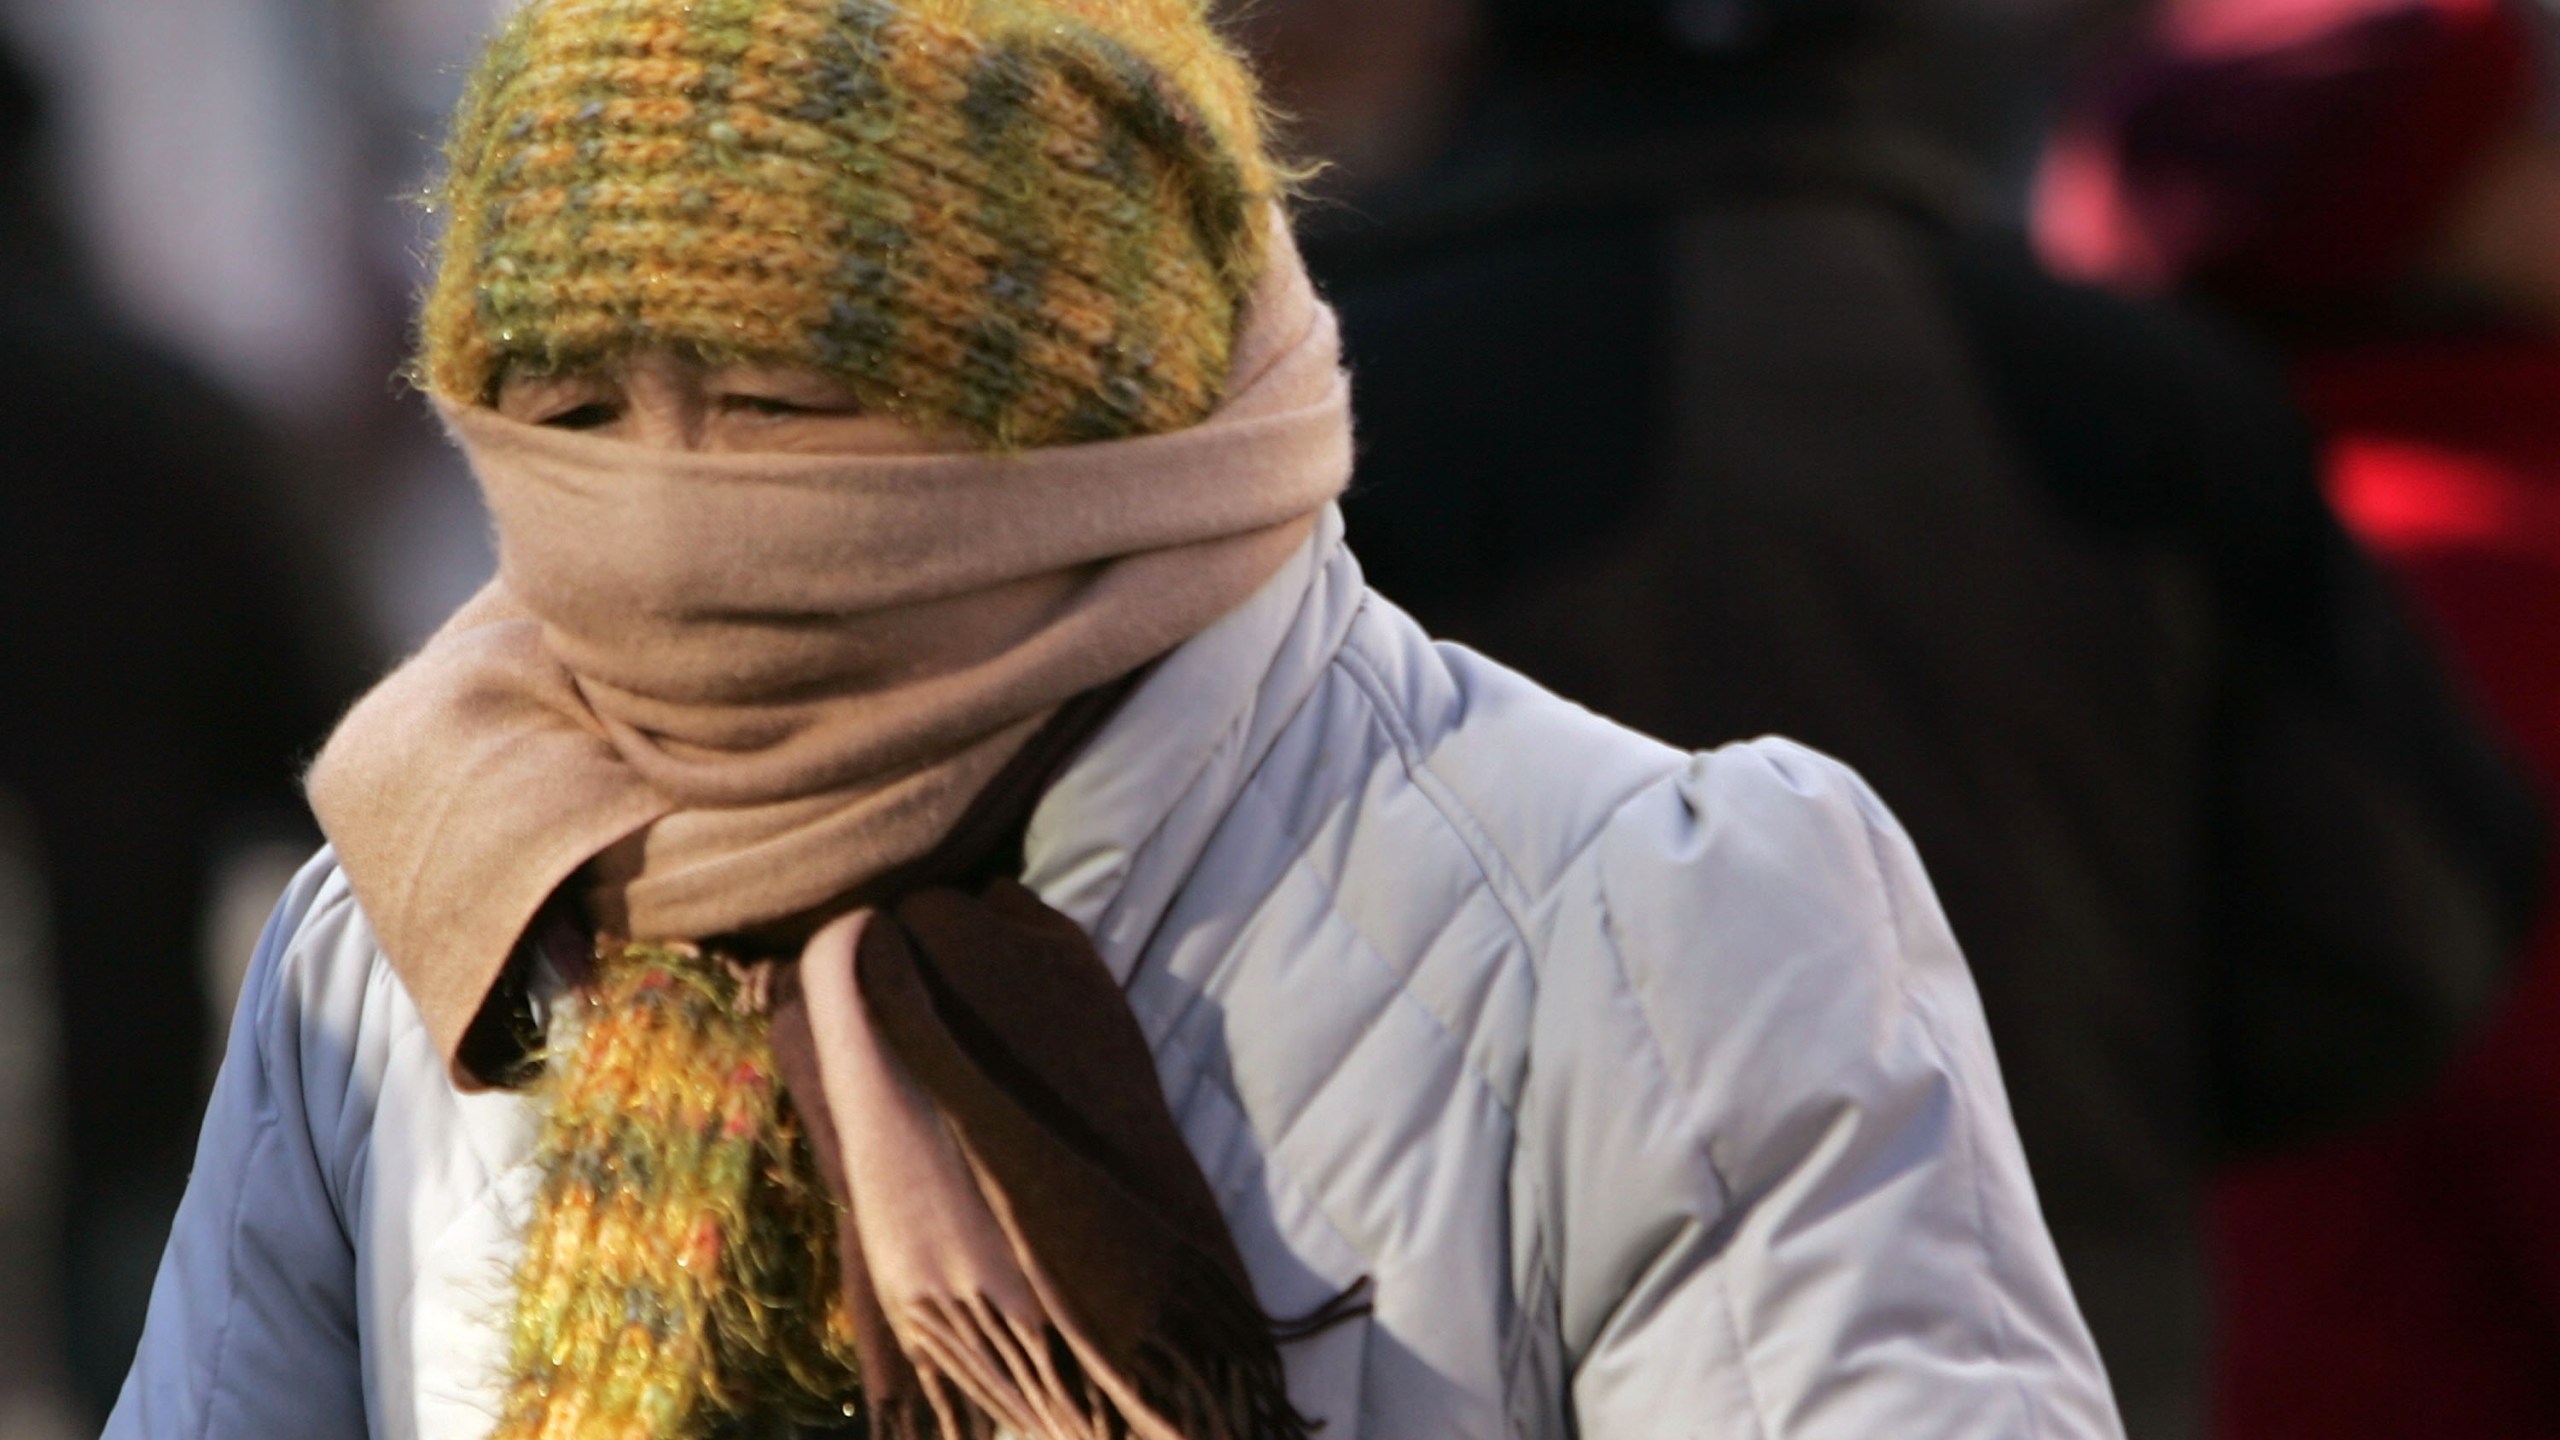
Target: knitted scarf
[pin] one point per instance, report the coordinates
(731, 706)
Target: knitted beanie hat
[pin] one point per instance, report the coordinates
(1032, 221)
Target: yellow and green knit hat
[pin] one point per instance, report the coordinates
(1034, 221)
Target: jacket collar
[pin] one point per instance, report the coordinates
(1120, 831)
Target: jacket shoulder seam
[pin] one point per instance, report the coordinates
(1487, 857)
(1613, 942)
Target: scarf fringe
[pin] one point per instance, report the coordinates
(1211, 1365)
(1224, 1381)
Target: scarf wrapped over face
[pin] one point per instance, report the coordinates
(716, 695)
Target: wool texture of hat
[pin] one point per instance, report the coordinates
(1034, 222)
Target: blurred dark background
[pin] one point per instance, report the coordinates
(2129, 433)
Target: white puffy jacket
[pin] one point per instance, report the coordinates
(1648, 1089)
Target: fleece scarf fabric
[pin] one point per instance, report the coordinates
(726, 690)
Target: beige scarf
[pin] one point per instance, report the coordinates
(726, 694)
(728, 689)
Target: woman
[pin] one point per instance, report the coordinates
(929, 900)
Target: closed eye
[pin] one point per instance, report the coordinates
(775, 405)
(594, 415)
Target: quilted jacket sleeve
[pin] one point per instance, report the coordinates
(1783, 1192)
(252, 1331)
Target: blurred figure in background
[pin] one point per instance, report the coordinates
(245, 178)
(2377, 185)
(155, 693)
(1697, 382)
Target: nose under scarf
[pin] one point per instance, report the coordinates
(715, 696)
